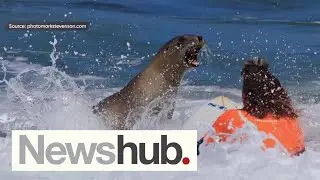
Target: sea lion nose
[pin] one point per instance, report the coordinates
(200, 38)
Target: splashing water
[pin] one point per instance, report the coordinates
(52, 55)
(5, 73)
(206, 52)
(46, 99)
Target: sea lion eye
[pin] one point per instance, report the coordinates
(182, 39)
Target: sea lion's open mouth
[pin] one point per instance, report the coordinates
(192, 55)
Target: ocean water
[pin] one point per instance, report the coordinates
(50, 79)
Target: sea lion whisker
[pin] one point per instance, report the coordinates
(171, 52)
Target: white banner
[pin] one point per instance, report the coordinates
(94, 150)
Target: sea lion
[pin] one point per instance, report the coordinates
(159, 80)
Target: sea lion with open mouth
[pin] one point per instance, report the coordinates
(159, 80)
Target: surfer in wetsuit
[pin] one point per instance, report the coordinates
(267, 106)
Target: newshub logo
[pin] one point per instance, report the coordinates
(93, 150)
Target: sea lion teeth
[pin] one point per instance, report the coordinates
(195, 63)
